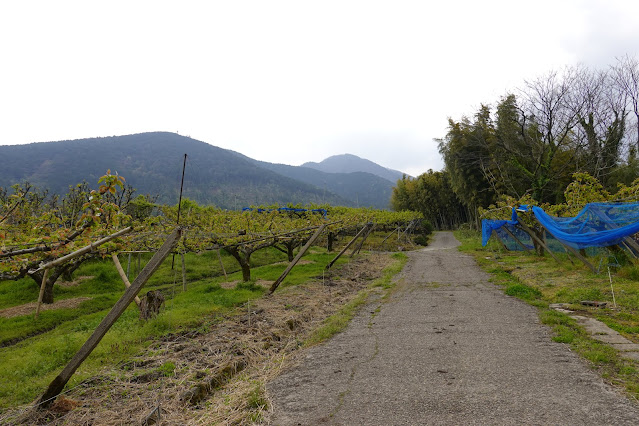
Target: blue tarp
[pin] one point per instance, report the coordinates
(488, 225)
(596, 225)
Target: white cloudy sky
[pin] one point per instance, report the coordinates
(288, 81)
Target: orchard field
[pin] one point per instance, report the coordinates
(223, 263)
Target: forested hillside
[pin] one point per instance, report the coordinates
(152, 163)
(361, 188)
(531, 142)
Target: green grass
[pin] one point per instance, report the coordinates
(541, 281)
(106, 287)
(30, 365)
(340, 320)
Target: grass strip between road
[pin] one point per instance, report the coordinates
(340, 320)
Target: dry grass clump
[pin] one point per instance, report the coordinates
(216, 374)
(29, 308)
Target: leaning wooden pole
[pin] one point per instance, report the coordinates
(219, 257)
(536, 238)
(61, 380)
(41, 295)
(570, 249)
(392, 232)
(297, 258)
(127, 284)
(46, 266)
(84, 250)
(361, 243)
(516, 239)
(578, 256)
(496, 236)
(332, 262)
(624, 245)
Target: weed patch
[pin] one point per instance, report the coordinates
(522, 291)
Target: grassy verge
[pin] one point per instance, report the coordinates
(541, 281)
(340, 320)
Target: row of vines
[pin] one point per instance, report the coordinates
(45, 238)
(36, 229)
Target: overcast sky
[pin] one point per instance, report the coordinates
(288, 81)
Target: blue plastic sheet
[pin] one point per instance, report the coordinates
(596, 225)
(490, 225)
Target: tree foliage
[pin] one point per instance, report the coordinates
(430, 194)
(36, 229)
(532, 141)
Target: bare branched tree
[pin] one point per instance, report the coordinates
(626, 76)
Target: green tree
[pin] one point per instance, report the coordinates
(432, 196)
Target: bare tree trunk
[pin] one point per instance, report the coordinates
(52, 278)
(243, 259)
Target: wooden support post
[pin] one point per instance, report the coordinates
(332, 262)
(494, 234)
(127, 284)
(128, 267)
(631, 242)
(83, 250)
(516, 239)
(536, 238)
(41, 295)
(392, 232)
(570, 249)
(183, 272)
(219, 256)
(579, 256)
(364, 237)
(568, 255)
(628, 248)
(628, 240)
(297, 258)
(61, 380)
(45, 267)
(410, 227)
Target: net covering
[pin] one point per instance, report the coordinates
(597, 225)
(508, 233)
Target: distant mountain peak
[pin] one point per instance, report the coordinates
(349, 163)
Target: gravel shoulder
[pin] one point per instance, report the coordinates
(447, 348)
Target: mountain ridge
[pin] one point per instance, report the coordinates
(152, 162)
(345, 163)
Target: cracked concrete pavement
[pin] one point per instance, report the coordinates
(447, 348)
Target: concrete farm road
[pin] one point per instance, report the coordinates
(448, 348)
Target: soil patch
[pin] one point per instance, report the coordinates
(216, 376)
(76, 281)
(229, 284)
(29, 308)
(232, 284)
(301, 262)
